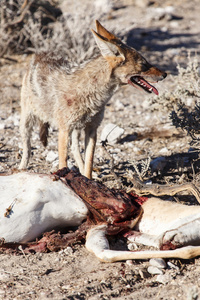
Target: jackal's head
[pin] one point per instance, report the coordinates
(128, 66)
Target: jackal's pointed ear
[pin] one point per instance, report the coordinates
(104, 32)
(107, 48)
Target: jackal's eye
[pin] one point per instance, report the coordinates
(117, 53)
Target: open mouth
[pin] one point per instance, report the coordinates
(140, 82)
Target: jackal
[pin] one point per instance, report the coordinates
(75, 100)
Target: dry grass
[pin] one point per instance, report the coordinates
(36, 25)
(182, 103)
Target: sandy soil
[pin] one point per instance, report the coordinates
(164, 37)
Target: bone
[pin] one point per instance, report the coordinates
(97, 243)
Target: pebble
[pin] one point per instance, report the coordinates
(68, 251)
(112, 133)
(4, 276)
(103, 6)
(158, 263)
(51, 156)
(163, 278)
(172, 266)
(142, 3)
(174, 24)
(57, 259)
(158, 164)
(13, 119)
(154, 270)
(158, 13)
(66, 287)
(55, 164)
(32, 292)
(129, 262)
(164, 151)
(119, 105)
(2, 126)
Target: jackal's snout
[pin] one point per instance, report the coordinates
(154, 74)
(144, 80)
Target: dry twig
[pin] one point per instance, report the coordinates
(141, 188)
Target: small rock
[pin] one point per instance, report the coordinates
(119, 105)
(159, 13)
(154, 270)
(55, 164)
(164, 151)
(57, 259)
(39, 255)
(68, 251)
(4, 276)
(32, 293)
(111, 133)
(129, 262)
(13, 120)
(172, 266)
(132, 246)
(174, 24)
(103, 6)
(2, 126)
(142, 3)
(163, 278)
(66, 287)
(158, 263)
(128, 286)
(158, 164)
(51, 156)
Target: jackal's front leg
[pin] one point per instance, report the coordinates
(63, 147)
(76, 150)
(90, 143)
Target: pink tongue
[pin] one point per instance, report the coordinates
(149, 86)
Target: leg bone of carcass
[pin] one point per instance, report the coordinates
(97, 243)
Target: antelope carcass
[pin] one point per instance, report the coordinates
(32, 204)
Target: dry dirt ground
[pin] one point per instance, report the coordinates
(164, 37)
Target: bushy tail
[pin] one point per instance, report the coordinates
(44, 132)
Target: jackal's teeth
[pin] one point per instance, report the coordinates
(151, 89)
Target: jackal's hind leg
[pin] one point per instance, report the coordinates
(26, 126)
